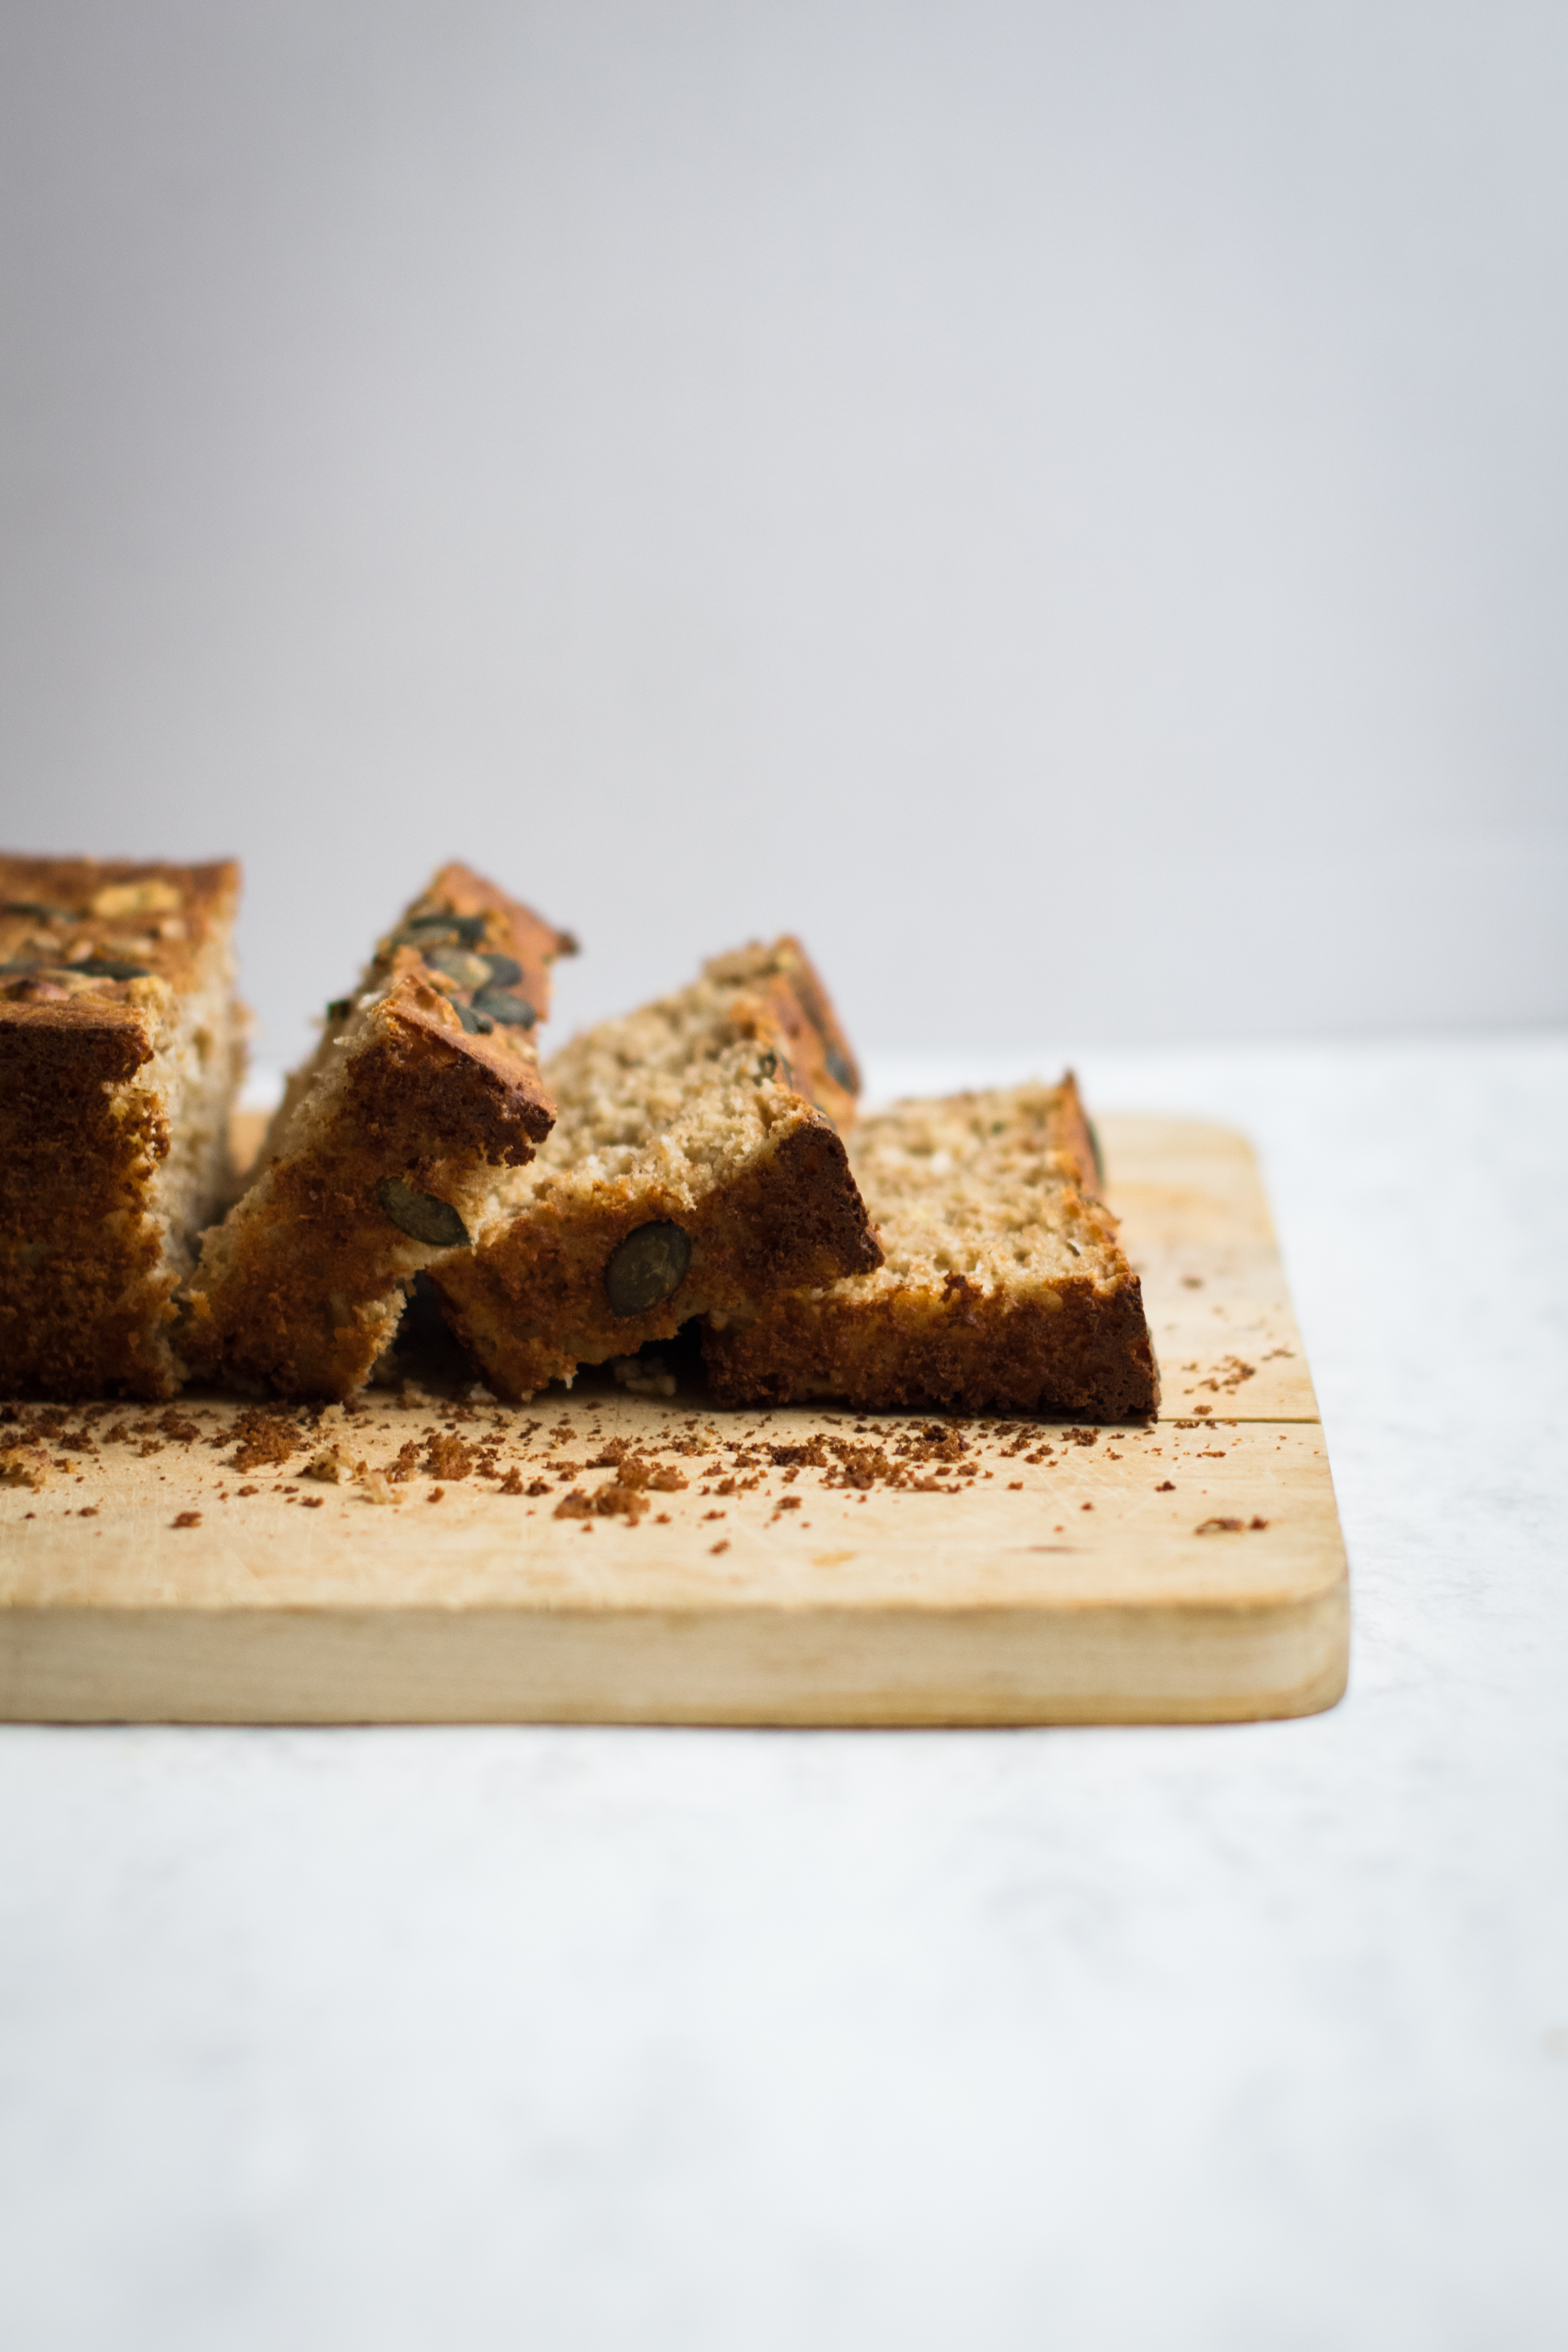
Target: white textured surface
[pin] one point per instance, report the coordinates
(1234, 2038)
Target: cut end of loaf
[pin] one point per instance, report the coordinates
(121, 1046)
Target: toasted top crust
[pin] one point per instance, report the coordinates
(1071, 1132)
(461, 946)
(488, 954)
(783, 977)
(80, 936)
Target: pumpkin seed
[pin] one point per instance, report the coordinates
(505, 971)
(476, 1024)
(501, 1006)
(1099, 1154)
(422, 930)
(840, 1070)
(646, 1268)
(457, 963)
(420, 1215)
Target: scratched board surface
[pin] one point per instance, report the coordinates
(602, 1555)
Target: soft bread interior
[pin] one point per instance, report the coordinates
(681, 1092)
(971, 1185)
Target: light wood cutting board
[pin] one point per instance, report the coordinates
(1089, 1586)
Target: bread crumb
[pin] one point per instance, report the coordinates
(333, 1467)
(610, 1500)
(24, 1465)
(449, 1458)
(260, 1439)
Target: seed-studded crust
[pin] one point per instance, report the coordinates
(393, 1132)
(511, 929)
(120, 1047)
(731, 1153)
(1043, 1314)
(782, 976)
(61, 917)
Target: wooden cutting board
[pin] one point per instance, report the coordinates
(1193, 1572)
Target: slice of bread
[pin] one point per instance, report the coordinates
(689, 1172)
(389, 1146)
(121, 1045)
(1003, 1285)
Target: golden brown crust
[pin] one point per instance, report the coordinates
(463, 1096)
(825, 1069)
(980, 1353)
(1072, 1131)
(301, 1287)
(63, 919)
(95, 952)
(486, 953)
(783, 977)
(532, 1306)
(513, 927)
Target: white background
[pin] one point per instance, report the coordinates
(1062, 504)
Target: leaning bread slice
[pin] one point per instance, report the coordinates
(1003, 1283)
(688, 1173)
(121, 1048)
(783, 977)
(391, 1143)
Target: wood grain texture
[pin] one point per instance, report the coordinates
(1077, 1588)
